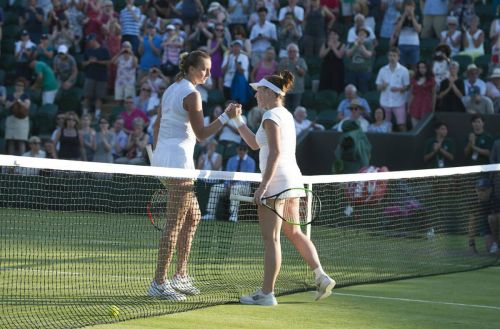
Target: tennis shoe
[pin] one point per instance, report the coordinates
(325, 285)
(208, 217)
(259, 298)
(184, 284)
(493, 248)
(165, 291)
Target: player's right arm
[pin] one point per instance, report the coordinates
(192, 104)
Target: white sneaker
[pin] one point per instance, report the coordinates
(184, 284)
(493, 248)
(165, 291)
(233, 218)
(208, 217)
(259, 298)
(325, 285)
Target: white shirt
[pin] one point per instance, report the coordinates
(306, 125)
(231, 135)
(479, 83)
(398, 78)
(298, 12)
(231, 67)
(351, 35)
(268, 30)
(362, 122)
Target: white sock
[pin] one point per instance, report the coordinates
(318, 272)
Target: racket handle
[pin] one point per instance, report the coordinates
(149, 150)
(241, 198)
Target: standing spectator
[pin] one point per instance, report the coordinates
(241, 162)
(434, 13)
(1, 26)
(172, 45)
(142, 101)
(17, 124)
(239, 33)
(302, 123)
(60, 121)
(314, 28)
(475, 103)
(298, 67)
(359, 61)
(44, 50)
(33, 20)
(234, 63)
(200, 34)
(391, 10)
(76, 20)
(96, 59)
(393, 80)
(474, 80)
(439, 150)
(262, 36)
(452, 36)
(88, 136)
(422, 93)
(70, 139)
(126, 67)
(24, 52)
(121, 138)
(441, 63)
(104, 141)
(351, 94)
(191, 11)
(298, 12)
(130, 114)
(406, 33)
(216, 48)
(65, 68)
(62, 34)
(464, 10)
(46, 81)
(332, 64)
(473, 39)
(359, 24)
(238, 11)
(136, 144)
(495, 26)
(154, 79)
(150, 50)
(493, 89)
(153, 19)
(288, 32)
(130, 21)
(451, 91)
(379, 125)
(210, 159)
(495, 153)
(479, 143)
(35, 148)
(267, 66)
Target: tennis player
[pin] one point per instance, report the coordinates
(179, 124)
(276, 140)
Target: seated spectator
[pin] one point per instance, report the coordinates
(216, 48)
(267, 66)
(121, 138)
(493, 89)
(452, 36)
(104, 142)
(24, 53)
(439, 150)
(171, 45)
(441, 63)
(217, 13)
(46, 81)
(3, 97)
(495, 26)
(353, 151)
(475, 103)
(262, 36)
(44, 51)
(359, 24)
(254, 117)
(463, 10)
(406, 35)
(473, 39)
(135, 150)
(288, 32)
(130, 114)
(154, 79)
(89, 137)
(126, 67)
(35, 148)
(486, 220)
(332, 65)
(50, 149)
(241, 162)
(422, 93)
(314, 28)
(359, 61)
(239, 33)
(153, 108)
(474, 80)
(351, 94)
(17, 124)
(210, 159)
(356, 115)
(393, 80)
(65, 68)
(479, 142)
(70, 140)
(379, 125)
(451, 91)
(298, 67)
(302, 123)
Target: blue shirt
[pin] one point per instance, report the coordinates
(247, 164)
(149, 58)
(344, 107)
(436, 7)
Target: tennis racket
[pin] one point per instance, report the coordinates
(156, 209)
(309, 205)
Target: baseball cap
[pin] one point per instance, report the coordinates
(237, 42)
(24, 32)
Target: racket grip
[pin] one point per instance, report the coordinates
(241, 198)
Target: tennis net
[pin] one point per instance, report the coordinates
(76, 237)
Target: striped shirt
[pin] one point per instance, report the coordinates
(130, 26)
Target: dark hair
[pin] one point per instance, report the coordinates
(262, 9)
(428, 74)
(187, 60)
(379, 108)
(439, 124)
(283, 80)
(394, 50)
(475, 117)
(238, 29)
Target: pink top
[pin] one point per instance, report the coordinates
(492, 90)
(128, 118)
(262, 71)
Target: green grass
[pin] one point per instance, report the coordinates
(461, 300)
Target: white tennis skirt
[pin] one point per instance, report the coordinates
(173, 154)
(280, 183)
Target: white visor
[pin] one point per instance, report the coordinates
(265, 83)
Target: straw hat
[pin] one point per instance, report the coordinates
(495, 73)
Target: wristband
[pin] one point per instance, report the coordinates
(238, 121)
(223, 118)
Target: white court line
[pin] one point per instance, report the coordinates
(419, 301)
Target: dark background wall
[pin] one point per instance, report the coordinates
(397, 151)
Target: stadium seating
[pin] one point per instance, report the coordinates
(70, 100)
(327, 118)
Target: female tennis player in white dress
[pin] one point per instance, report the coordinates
(179, 124)
(276, 140)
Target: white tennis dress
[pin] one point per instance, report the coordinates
(287, 173)
(176, 138)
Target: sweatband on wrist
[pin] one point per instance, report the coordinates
(223, 118)
(238, 121)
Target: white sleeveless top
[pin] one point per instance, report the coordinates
(176, 138)
(470, 39)
(287, 173)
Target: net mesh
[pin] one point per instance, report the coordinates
(76, 238)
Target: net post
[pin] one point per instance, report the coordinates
(309, 209)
